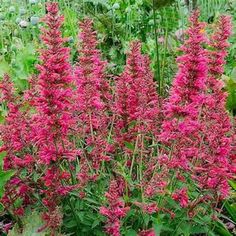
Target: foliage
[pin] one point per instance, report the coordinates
(32, 222)
(91, 145)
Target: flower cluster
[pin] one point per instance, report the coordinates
(53, 119)
(136, 101)
(93, 100)
(116, 209)
(69, 139)
(16, 141)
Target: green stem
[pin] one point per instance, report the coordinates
(75, 216)
(157, 66)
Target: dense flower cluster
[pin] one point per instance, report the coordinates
(182, 126)
(70, 139)
(197, 126)
(116, 209)
(216, 166)
(136, 100)
(15, 141)
(93, 98)
(53, 119)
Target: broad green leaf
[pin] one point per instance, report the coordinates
(4, 177)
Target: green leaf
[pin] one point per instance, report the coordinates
(184, 229)
(4, 68)
(130, 146)
(196, 229)
(4, 177)
(146, 219)
(131, 232)
(231, 209)
(221, 229)
(89, 149)
(132, 124)
(1, 207)
(2, 155)
(70, 224)
(157, 228)
(96, 2)
(232, 184)
(96, 223)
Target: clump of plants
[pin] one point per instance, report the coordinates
(94, 154)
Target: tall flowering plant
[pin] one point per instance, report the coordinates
(181, 128)
(93, 105)
(215, 168)
(197, 127)
(42, 124)
(54, 119)
(16, 141)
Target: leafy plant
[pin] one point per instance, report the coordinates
(92, 148)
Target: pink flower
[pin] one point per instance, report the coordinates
(93, 103)
(181, 125)
(116, 209)
(7, 227)
(217, 167)
(136, 101)
(149, 208)
(19, 211)
(149, 232)
(54, 101)
(181, 196)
